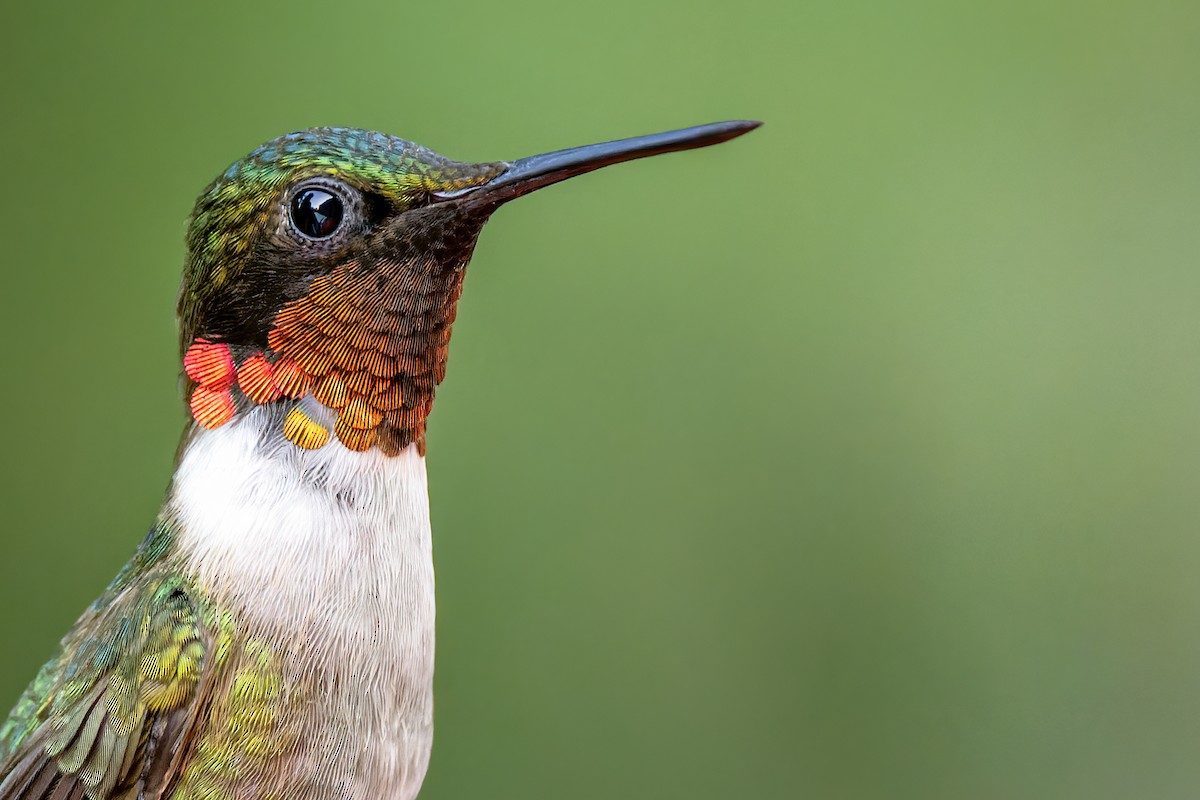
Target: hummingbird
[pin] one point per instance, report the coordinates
(273, 634)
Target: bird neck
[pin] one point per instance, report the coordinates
(323, 559)
(266, 527)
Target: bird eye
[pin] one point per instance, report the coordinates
(317, 213)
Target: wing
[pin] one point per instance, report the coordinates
(115, 713)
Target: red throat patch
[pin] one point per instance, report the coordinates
(368, 345)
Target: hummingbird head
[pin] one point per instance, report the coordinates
(324, 270)
(298, 208)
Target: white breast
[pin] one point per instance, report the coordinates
(327, 554)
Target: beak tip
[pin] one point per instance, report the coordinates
(740, 126)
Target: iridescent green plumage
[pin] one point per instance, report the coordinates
(139, 683)
(122, 691)
(31, 710)
(249, 725)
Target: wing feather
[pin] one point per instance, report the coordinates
(119, 715)
(42, 780)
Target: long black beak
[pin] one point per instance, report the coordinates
(528, 174)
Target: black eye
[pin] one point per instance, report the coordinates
(316, 212)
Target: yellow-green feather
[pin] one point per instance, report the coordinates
(248, 726)
(136, 657)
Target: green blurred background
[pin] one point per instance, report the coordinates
(856, 458)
